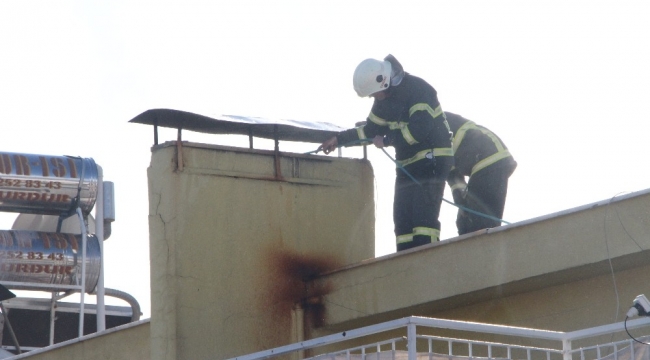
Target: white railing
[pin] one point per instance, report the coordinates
(520, 343)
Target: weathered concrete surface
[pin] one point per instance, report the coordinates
(556, 272)
(215, 215)
(125, 342)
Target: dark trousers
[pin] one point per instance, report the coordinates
(417, 204)
(486, 194)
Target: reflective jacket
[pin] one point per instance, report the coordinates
(411, 120)
(475, 148)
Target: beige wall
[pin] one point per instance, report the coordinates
(549, 273)
(215, 216)
(126, 342)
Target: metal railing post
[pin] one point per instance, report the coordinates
(566, 349)
(411, 336)
(82, 291)
(99, 230)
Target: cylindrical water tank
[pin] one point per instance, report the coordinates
(43, 184)
(46, 258)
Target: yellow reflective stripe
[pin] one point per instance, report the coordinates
(490, 160)
(425, 107)
(443, 152)
(361, 133)
(396, 125)
(407, 136)
(470, 125)
(403, 127)
(419, 156)
(460, 134)
(434, 233)
(433, 112)
(422, 154)
(404, 238)
(424, 231)
(494, 138)
(377, 120)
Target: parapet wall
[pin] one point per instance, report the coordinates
(571, 270)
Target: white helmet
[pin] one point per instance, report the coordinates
(371, 76)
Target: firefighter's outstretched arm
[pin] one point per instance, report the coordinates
(329, 145)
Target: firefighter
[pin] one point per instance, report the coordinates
(406, 114)
(485, 160)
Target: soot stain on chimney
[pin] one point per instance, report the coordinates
(290, 282)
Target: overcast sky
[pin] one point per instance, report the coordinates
(564, 83)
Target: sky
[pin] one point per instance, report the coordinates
(564, 83)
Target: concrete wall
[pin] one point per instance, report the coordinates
(126, 342)
(566, 271)
(226, 224)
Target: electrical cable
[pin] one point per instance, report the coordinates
(630, 335)
(609, 259)
(611, 266)
(345, 307)
(367, 141)
(620, 221)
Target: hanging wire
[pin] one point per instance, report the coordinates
(609, 259)
(630, 335)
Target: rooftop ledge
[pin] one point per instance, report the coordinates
(555, 249)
